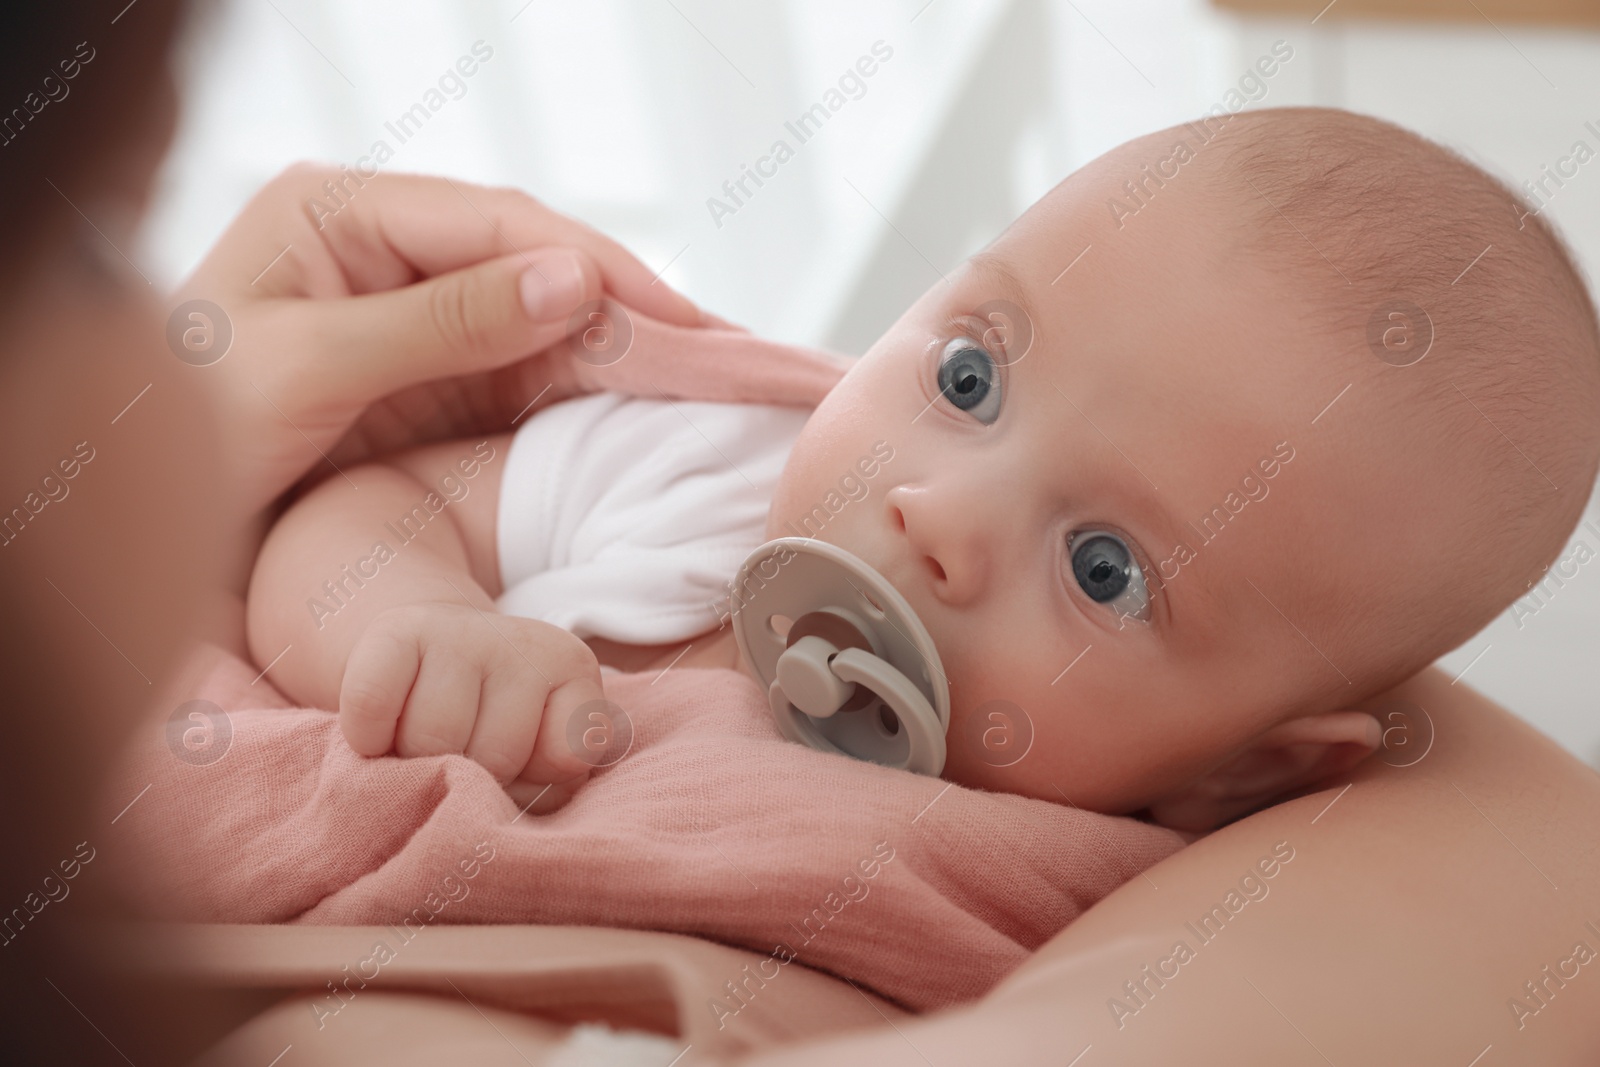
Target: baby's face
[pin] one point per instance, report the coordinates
(1124, 527)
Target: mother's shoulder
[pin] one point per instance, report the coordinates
(1419, 894)
(1455, 766)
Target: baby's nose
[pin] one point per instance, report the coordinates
(948, 544)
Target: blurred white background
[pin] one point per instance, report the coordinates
(630, 114)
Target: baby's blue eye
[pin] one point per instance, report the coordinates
(1107, 572)
(967, 378)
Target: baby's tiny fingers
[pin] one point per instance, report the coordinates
(442, 705)
(572, 732)
(377, 678)
(508, 723)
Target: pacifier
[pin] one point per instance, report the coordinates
(848, 666)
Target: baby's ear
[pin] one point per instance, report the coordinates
(1290, 755)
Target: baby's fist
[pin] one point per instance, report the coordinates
(437, 679)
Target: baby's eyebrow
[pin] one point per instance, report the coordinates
(990, 271)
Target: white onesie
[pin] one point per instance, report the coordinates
(626, 518)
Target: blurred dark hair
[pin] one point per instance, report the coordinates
(121, 93)
(77, 133)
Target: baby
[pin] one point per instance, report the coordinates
(1241, 424)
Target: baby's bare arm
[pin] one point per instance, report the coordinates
(375, 595)
(418, 528)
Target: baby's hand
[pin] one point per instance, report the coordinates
(435, 679)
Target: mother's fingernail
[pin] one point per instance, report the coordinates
(551, 286)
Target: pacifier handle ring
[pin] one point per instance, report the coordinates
(829, 600)
(840, 632)
(924, 731)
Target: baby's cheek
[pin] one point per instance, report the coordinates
(993, 739)
(791, 489)
(1018, 733)
(808, 473)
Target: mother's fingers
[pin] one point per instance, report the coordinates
(523, 222)
(436, 225)
(478, 318)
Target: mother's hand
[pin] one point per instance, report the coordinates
(398, 312)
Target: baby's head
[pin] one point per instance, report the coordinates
(1234, 429)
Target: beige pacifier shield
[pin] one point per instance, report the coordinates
(899, 711)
